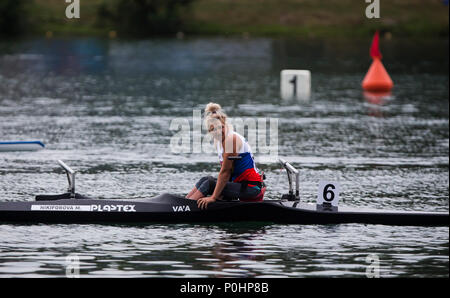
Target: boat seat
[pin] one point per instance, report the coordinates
(258, 198)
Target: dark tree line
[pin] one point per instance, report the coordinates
(13, 17)
(137, 18)
(143, 18)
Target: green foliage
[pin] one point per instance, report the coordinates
(141, 18)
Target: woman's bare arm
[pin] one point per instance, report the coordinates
(225, 171)
(227, 165)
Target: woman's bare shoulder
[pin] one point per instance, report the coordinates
(233, 141)
(233, 137)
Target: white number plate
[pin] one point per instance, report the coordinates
(328, 193)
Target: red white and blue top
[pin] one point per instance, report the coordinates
(244, 168)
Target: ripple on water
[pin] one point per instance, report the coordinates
(110, 118)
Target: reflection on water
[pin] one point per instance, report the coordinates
(376, 100)
(225, 250)
(104, 107)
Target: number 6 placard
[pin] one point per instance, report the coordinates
(328, 193)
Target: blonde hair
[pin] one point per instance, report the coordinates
(214, 112)
(215, 115)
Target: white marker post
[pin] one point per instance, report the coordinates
(295, 84)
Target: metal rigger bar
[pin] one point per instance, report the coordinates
(70, 178)
(291, 170)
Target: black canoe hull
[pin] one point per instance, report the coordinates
(172, 208)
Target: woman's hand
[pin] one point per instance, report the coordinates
(202, 203)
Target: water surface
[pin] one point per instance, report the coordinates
(105, 108)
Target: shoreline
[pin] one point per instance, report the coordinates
(246, 18)
(184, 35)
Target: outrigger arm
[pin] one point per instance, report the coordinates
(290, 170)
(70, 178)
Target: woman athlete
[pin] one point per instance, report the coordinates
(238, 177)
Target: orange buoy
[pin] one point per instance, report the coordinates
(377, 79)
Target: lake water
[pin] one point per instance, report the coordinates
(105, 108)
